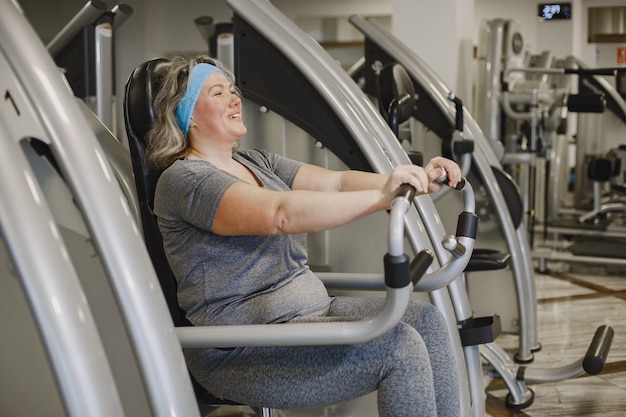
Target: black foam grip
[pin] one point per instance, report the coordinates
(396, 270)
(467, 225)
(406, 191)
(586, 103)
(460, 185)
(598, 350)
(462, 147)
(420, 264)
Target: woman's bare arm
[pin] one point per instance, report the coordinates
(248, 210)
(321, 199)
(312, 177)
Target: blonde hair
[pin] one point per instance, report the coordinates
(166, 141)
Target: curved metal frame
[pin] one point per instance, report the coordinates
(380, 146)
(46, 273)
(56, 119)
(483, 159)
(519, 394)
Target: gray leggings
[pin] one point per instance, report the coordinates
(412, 367)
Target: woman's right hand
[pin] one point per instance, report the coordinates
(413, 175)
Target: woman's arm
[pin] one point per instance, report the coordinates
(249, 210)
(312, 177)
(320, 200)
(315, 178)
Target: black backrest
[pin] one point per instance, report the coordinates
(139, 93)
(600, 169)
(396, 94)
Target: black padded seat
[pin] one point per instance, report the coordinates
(487, 260)
(619, 189)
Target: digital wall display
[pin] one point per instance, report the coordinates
(555, 11)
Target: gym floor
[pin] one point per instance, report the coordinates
(573, 302)
(571, 305)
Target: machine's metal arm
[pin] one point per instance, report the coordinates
(399, 282)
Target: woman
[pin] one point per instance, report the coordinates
(234, 227)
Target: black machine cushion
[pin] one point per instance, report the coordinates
(396, 87)
(600, 169)
(141, 87)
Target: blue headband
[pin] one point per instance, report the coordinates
(198, 75)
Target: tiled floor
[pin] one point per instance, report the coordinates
(571, 306)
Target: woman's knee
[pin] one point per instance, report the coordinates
(406, 344)
(408, 363)
(425, 316)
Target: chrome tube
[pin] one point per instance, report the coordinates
(298, 334)
(103, 41)
(121, 12)
(85, 16)
(294, 334)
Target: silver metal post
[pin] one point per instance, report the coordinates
(86, 16)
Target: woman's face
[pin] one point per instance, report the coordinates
(217, 114)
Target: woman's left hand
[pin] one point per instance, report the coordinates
(436, 167)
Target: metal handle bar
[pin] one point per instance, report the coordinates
(573, 71)
(592, 362)
(398, 282)
(460, 246)
(404, 195)
(121, 12)
(458, 106)
(465, 236)
(92, 10)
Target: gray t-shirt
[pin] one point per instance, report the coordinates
(233, 279)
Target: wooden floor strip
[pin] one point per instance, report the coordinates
(600, 291)
(581, 282)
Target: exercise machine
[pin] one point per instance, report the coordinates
(148, 375)
(304, 84)
(84, 49)
(527, 105)
(498, 209)
(262, 32)
(93, 308)
(59, 236)
(440, 115)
